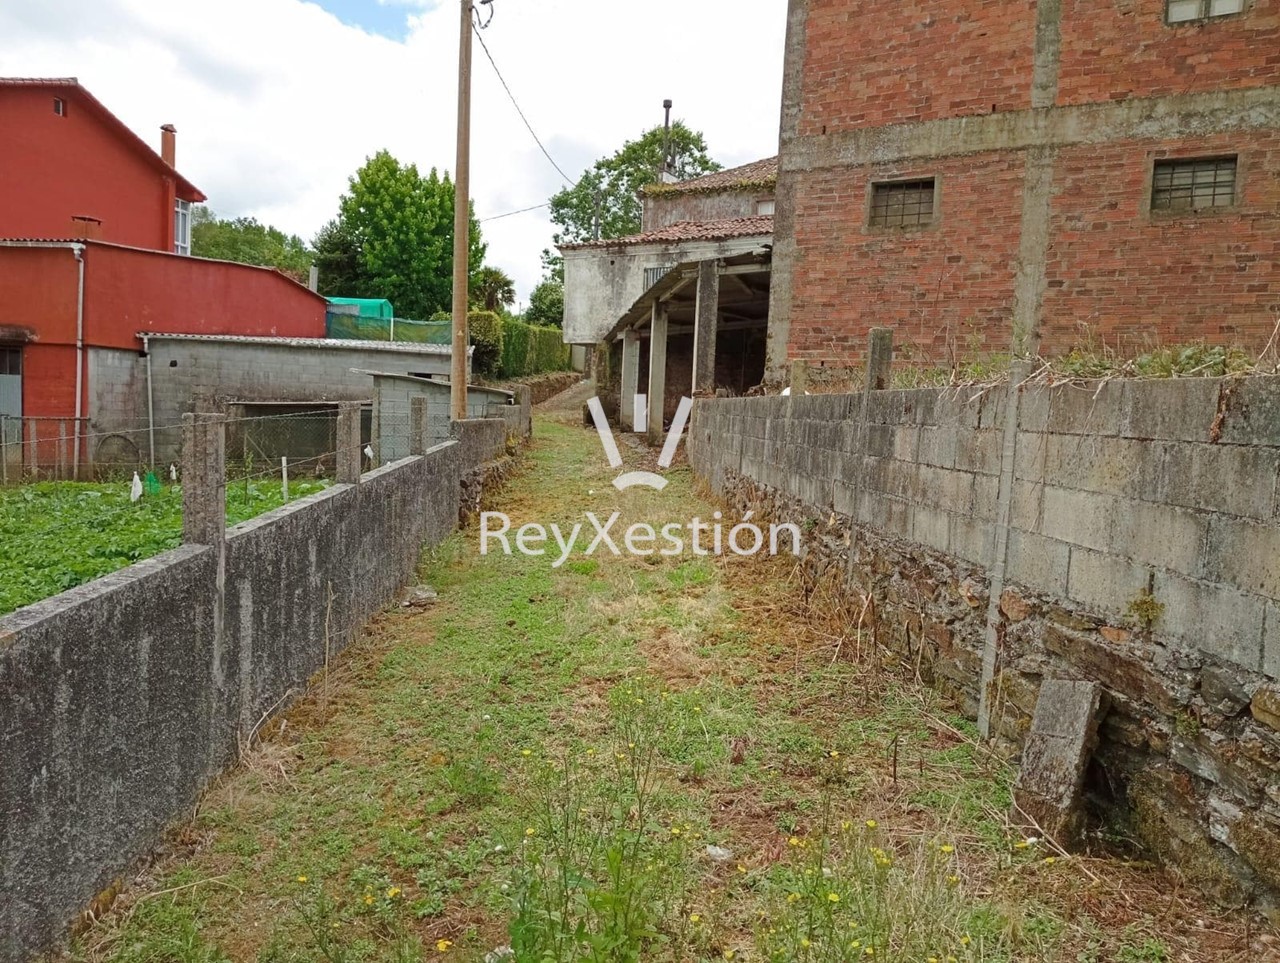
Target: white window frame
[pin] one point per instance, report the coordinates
(1197, 11)
(182, 227)
(765, 207)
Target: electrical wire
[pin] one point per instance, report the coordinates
(523, 210)
(537, 140)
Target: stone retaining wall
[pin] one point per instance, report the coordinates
(1130, 532)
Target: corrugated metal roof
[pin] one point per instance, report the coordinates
(723, 230)
(400, 347)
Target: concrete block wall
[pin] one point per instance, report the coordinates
(1142, 551)
(120, 699)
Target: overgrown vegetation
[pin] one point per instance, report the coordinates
(661, 759)
(57, 535)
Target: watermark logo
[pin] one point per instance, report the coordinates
(648, 479)
(641, 539)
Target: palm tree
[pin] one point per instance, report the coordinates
(492, 289)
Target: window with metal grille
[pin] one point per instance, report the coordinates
(1185, 11)
(903, 203)
(1192, 185)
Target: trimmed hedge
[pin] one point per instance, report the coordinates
(528, 349)
(486, 330)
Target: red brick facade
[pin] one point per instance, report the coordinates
(1041, 123)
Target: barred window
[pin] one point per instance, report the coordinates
(903, 203)
(1185, 11)
(1192, 185)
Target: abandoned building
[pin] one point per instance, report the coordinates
(988, 177)
(697, 275)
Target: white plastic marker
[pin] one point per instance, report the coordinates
(646, 478)
(135, 490)
(284, 477)
(173, 472)
(641, 413)
(368, 452)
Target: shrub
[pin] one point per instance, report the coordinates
(486, 336)
(529, 350)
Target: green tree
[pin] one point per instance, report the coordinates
(546, 305)
(492, 290)
(604, 202)
(393, 238)
(246, 241)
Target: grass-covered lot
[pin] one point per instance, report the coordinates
(57, 535)
(627, 759)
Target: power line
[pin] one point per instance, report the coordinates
(483, 46)
(523, 210)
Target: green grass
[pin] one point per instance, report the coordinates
(57, 535)
(542, 758)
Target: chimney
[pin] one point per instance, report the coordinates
(168, 143)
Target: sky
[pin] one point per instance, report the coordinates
(278, 102)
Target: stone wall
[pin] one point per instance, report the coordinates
(121, 699)
(1124, 532)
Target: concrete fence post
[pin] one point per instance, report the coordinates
(879, 363)
(1018, 373)
(204, 499)
(799, 382)
(348, 443)
(879, 359)
(417, 426)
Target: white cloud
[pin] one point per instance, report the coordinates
(278, 101)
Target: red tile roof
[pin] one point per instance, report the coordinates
(185, 189)
(689, 231)
(755, 174)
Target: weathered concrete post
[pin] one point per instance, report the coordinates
(630, 376)
(417, 426)
(657, 371)
(706, 318)
(880, 359)
(1018, 373)
(879, 364)
(204, 500)
(348, 443)
(799, 381)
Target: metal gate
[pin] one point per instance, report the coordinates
(10, 413)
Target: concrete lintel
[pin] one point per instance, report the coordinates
(1153, 118)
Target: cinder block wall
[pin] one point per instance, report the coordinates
(1142, 551)
(120, 699)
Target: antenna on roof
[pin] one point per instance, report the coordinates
(668, 173)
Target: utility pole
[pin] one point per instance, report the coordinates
(461, 223)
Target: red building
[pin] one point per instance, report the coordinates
(95, 243)
(997, 175)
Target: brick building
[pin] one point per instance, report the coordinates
(988, 175)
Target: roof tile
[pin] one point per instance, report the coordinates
(688, 231)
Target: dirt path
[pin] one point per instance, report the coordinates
(656, 758)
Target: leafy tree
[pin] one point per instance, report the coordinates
(604, 202)
(546, 305)
(246, 241)
(492, 289)
(393, 238)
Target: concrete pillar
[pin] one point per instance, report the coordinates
(879, 359)
(630, 377)
(204, 499)
(799, 381)
(706, 318)
(417, 426)
(349, 454)
(657, 371)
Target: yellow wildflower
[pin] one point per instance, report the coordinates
(872, 824)
(846, 825)
(948, 848)
(1050, 860)
(834, 754)
(833, 897)
(804, 942)
(793, 841)
(695, 918)
(302, 879)
(728, 954)
(741, 868)
(964, 940)
(442, 946)
(675, 830)
(526, 752)
(793, 897)
(368, 899)
(393, 892)
(530, 831)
